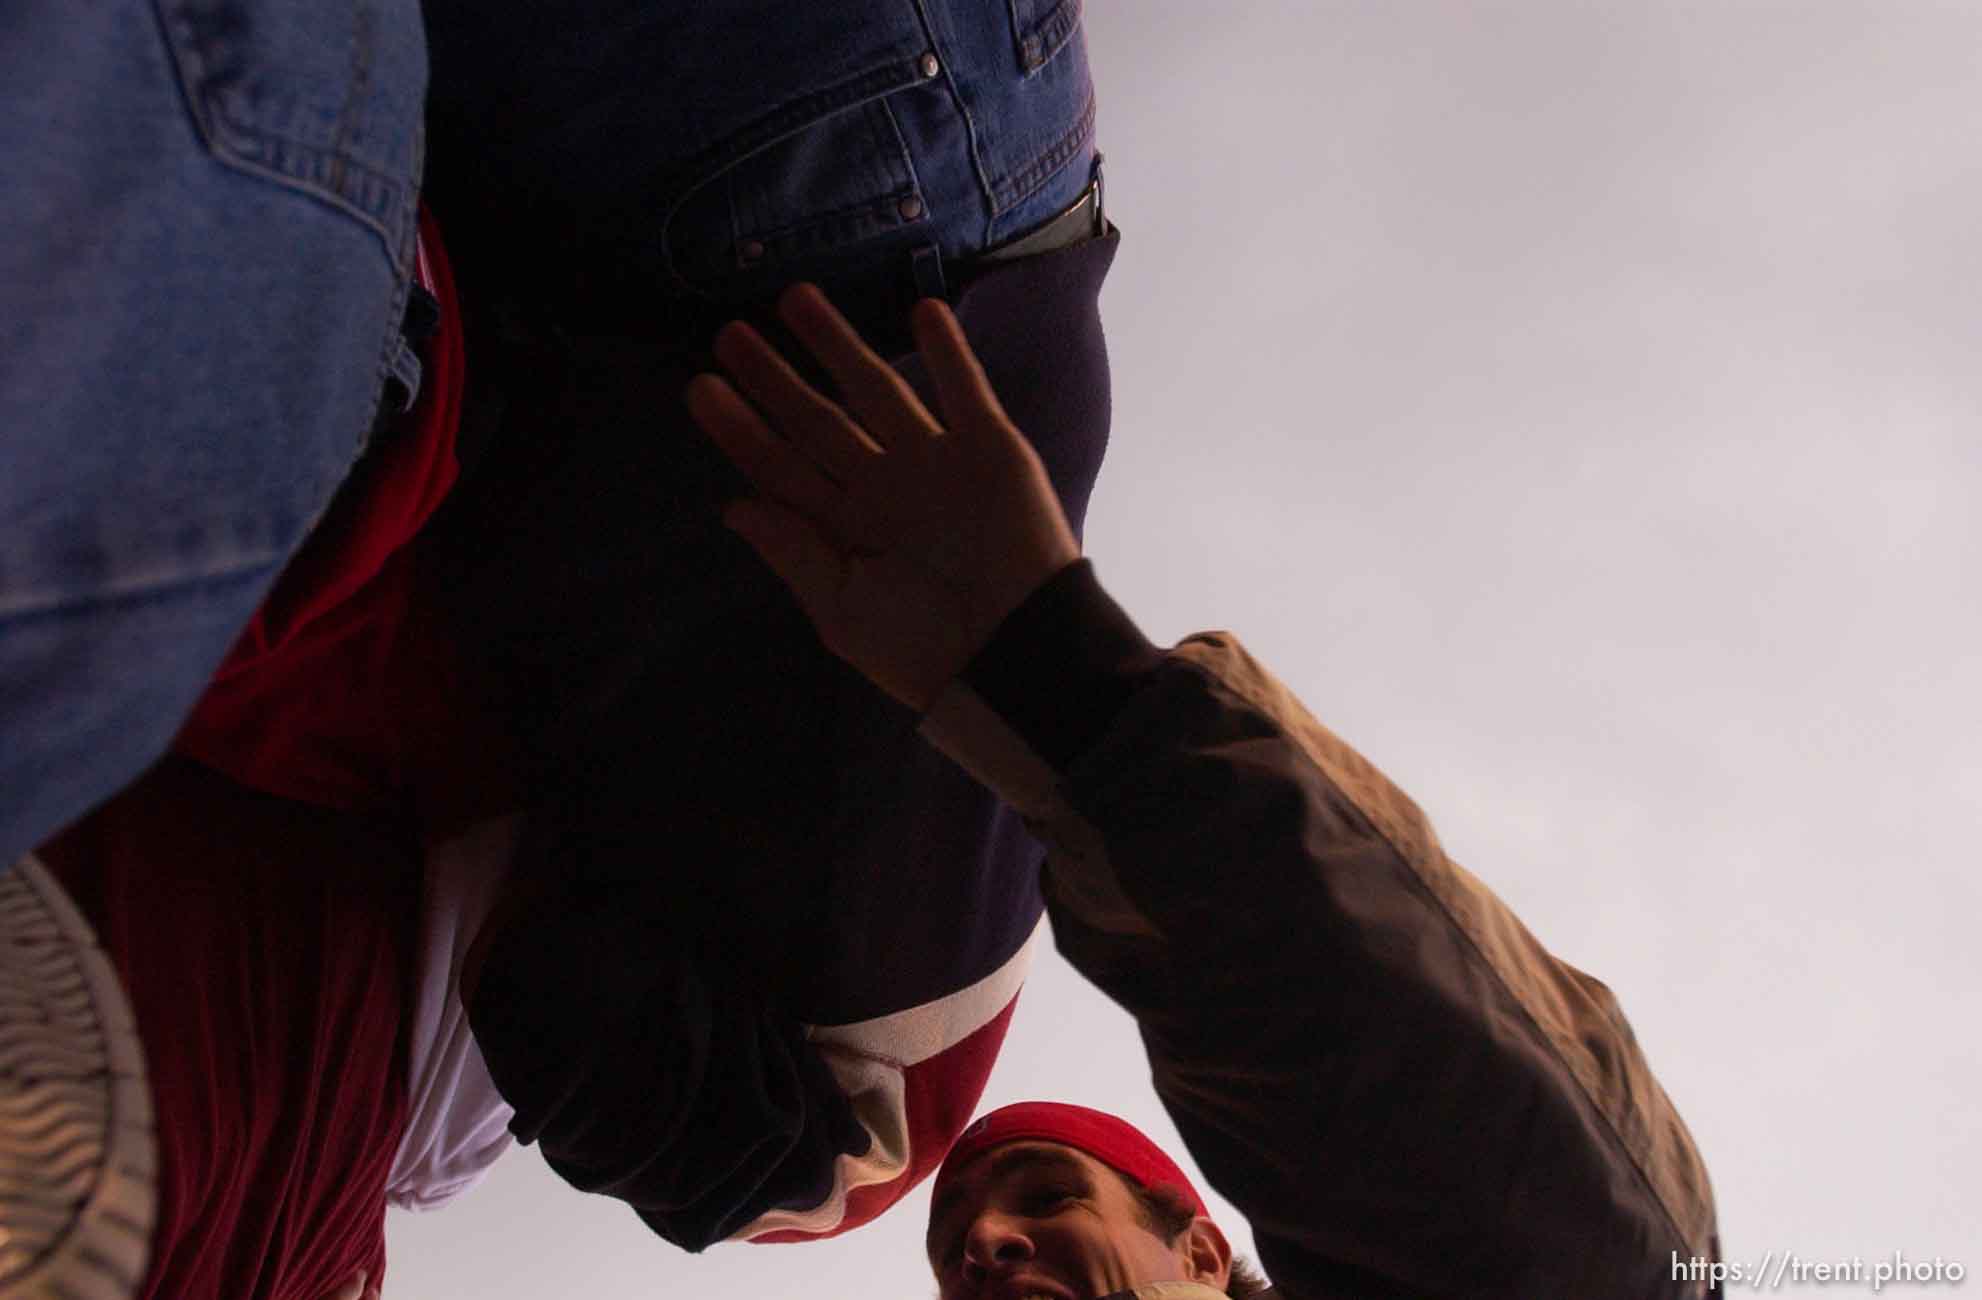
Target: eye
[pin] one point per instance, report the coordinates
(1048, 1197)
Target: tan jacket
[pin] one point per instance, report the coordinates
(1169, 1291)
(1364, 1049)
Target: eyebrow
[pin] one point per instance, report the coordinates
(1002, 1165)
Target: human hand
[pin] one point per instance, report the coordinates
(905, 540)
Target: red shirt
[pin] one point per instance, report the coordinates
(266, 947)
(260, 903)
(342, 690)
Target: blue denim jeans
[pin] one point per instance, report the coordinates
(629, 155)
(204, 254)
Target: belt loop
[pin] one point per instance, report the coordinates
(404, 370)
(927, 265)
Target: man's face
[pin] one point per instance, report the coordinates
(1034, 1219)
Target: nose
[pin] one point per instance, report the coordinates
(994, 1243)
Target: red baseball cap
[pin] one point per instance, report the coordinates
(1114, 1142)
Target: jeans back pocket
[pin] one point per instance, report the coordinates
(816, 181)
(322, 96)
(1041, 28)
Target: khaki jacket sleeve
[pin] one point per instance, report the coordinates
(1364, 1049)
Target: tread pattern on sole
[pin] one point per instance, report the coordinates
(78, 1160)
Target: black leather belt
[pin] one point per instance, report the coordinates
(1081, 221)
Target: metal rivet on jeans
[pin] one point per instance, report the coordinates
(930, 66)
(910, 207)
(1034, 52)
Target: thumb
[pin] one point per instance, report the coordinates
(795, 551)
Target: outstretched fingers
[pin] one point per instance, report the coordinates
(879, 397)
(963, 391)
(776, 468)
(809, 421)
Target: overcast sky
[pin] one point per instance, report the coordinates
(1577, 404)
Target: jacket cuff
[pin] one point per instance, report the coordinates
(1062, 665)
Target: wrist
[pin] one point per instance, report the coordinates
(1062, 664)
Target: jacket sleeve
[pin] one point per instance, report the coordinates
(1364, 1049)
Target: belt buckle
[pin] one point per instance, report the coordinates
(1077, 223)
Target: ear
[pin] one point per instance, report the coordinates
(1207, 1254)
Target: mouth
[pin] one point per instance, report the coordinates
(1030, 1289)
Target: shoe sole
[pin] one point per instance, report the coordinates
(78, 1161)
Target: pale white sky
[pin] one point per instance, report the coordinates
(1577, 403)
